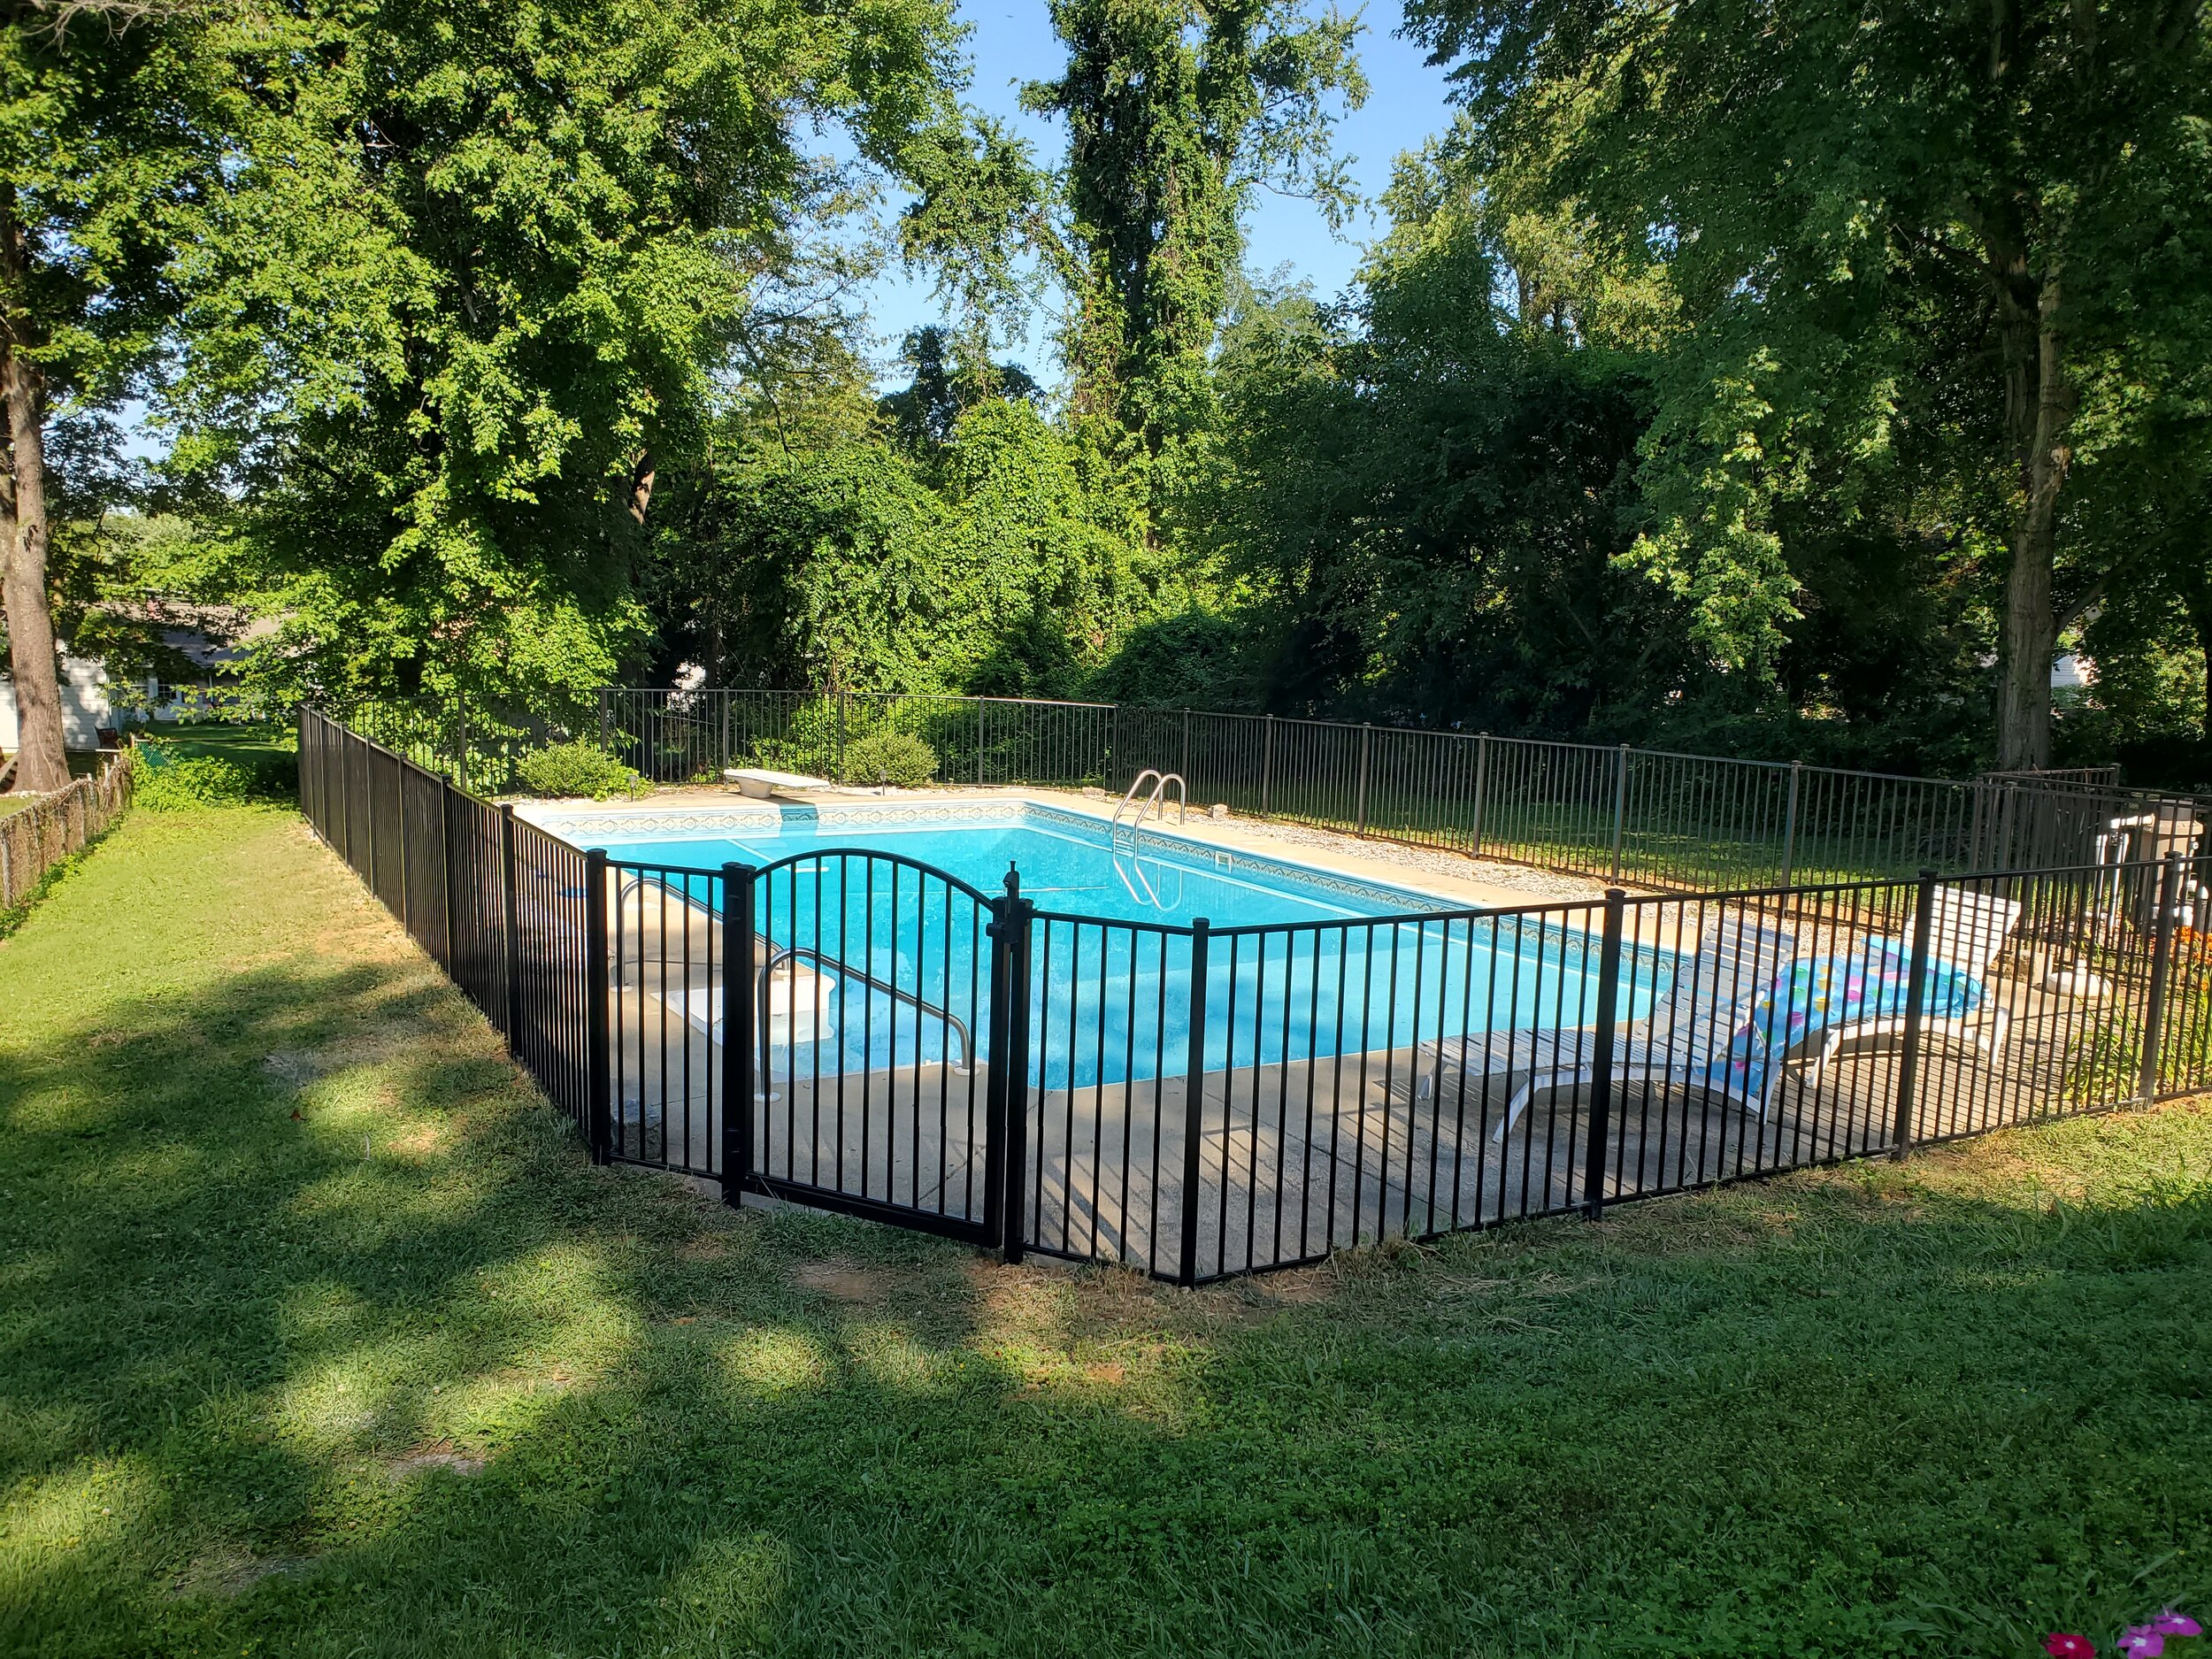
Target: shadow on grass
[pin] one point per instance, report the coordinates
(319, 1336)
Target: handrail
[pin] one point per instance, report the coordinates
(841, 970)
(1146, 897)
(635, 881)
(1154, 802)
(1150, 896)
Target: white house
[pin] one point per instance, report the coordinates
(85, 706)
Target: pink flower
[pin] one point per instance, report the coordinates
(2059, 1645)
(2142, 1641)
(2169, 1622)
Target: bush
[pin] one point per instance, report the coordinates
(166, 784)
(176, 770)
(573, 769)
(899, 758)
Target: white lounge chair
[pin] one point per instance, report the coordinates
(1966, 930)
(1685, 1040)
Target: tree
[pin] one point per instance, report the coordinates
(948, 383)
(993, 564)
(483, 278)
(1928, 213)
(112, 127)
(1176, 110)
(1425, 490)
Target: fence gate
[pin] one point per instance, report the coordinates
(878, 1018)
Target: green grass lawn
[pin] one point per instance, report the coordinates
(319, 1336)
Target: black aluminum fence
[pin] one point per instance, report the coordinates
(1667, 821)
(1656, 820)
(857, 1032)
(503, 907)
(475, 743)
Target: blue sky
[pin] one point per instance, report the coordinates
(1012, 42)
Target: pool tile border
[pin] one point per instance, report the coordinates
(563, 820)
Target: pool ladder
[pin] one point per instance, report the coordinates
(1155, 803)
(837, 968)
(632, 885)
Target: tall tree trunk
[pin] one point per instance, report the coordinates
(41, 762)
(2038, 410)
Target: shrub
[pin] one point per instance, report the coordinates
(899, 758)
(166, 784)
(577, 768)
(174, 774)
(808, 743)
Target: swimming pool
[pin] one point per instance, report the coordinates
(1302, 964)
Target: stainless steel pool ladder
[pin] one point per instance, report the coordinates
(838, 969)
(634, 883)
(1155, 802)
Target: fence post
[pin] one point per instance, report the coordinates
(461, 738)
(1789, 823)
(999, 930)
(368, 790)
(1182, 766)
(1620, 807)
(1366, 746)
(598, 1038)
(1267, 763)
(510, 892)
(738, 974)
(1194, 1106)
(981, 703)
(606, 718)
(446, 792)
(1014, 1124)
(1602, 1059)
(343, 761)
(1901, 1134)
(1482, 787)
(722, 697)
(406, 889)
(2161, 970)
(838, 774)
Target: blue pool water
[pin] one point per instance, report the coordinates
(1111, 979)
(1067, 864)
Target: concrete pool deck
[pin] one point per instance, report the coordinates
(1456, 882)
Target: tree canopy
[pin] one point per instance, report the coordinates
(1788, 378)
(1917, 252)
